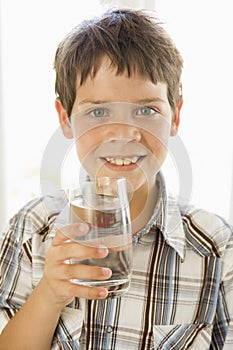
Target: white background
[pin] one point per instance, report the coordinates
(31, 31)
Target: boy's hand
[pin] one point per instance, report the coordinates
(59, 273)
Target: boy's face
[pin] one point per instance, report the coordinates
(121, 126)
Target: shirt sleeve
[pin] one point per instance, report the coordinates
(228, 290)
(23, 245)
(223, 325)
(15, 267)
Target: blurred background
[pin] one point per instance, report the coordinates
(30, 32)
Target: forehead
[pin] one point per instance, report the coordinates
(106, 85)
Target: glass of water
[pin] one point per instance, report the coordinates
(103, 204)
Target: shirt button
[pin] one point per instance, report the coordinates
(108, 329)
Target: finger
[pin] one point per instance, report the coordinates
(66, 290)
(77, 251)
(70, 232)
(82, 272)
(76, 290)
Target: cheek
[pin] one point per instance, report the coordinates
(156, 143)
(159, 150)
(86, 143)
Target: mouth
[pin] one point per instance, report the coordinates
(122, 161)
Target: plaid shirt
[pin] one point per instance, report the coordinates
(181, 294)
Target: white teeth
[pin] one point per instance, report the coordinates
(127, 161)
(122, 161)
(119, 161)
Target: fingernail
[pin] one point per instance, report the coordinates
(102, 249)
(106, 271)
(83, 228)
(103, 293)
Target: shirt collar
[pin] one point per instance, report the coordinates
(167, 218)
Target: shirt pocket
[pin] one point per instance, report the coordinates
(182, 336)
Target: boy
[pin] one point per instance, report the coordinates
(118, 85)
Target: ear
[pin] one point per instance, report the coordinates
(63, 119)
(176, 120)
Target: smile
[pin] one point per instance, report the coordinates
(122, 161)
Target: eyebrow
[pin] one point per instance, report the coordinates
(94, 102)
(139, 102)
(150, 100)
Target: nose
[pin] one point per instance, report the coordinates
(124, 132)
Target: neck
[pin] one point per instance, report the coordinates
(142, 205)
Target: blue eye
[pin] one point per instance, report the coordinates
(146, 111)
(98, 112)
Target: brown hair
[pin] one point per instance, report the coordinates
(134, 41)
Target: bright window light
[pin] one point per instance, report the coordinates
(30, 33)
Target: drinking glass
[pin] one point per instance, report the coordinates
(103, 204)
